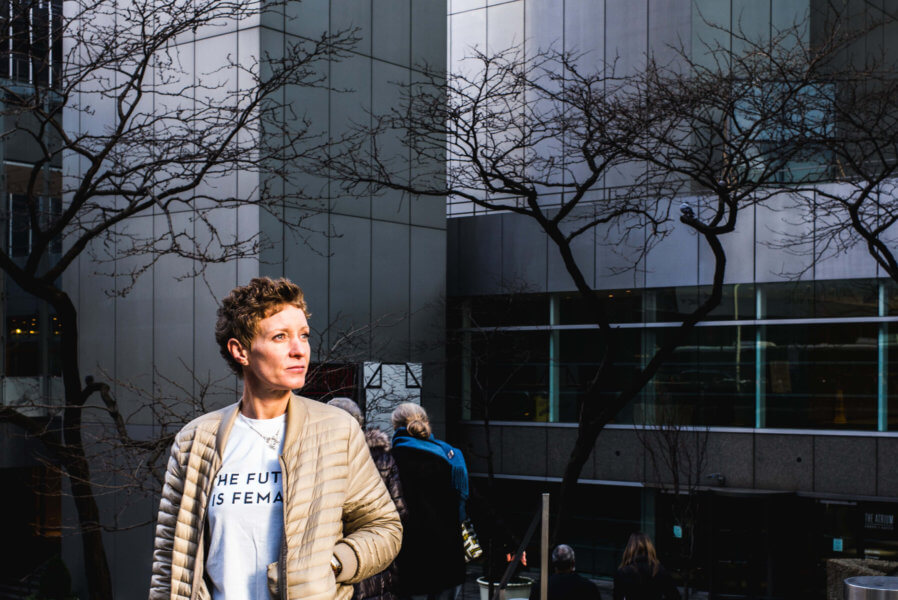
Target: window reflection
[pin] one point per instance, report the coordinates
(710, 380)
(805, 375)
(821, 376)
(508, 375)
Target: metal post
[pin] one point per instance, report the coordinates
(544, 561)
(882, 366)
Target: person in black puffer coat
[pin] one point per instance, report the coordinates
(435, 487)
(383, 585)
(641, 576)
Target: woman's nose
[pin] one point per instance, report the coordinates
(297, 346)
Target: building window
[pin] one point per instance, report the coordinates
(49, 210)
(31, 46)
(806, 355)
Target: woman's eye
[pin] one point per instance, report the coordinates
(304, 336)
(280, 336)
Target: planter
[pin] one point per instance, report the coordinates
(518, 587)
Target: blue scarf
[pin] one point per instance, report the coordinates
(453, 456)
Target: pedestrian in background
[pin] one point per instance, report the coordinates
(435, 487)
(383, 585)
(564, 583)
(641, 575)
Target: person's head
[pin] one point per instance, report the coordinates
(350, 407)
(563, 559)
(640, 547)
(263, 333)
(413, 418)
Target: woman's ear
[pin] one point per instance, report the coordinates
(238, 352)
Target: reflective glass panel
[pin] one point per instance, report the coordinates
(509, 375)
(821, 376)
(709, 380)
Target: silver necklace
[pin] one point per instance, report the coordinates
(272, 441)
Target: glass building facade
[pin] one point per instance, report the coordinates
(790, 355)
(791, 377)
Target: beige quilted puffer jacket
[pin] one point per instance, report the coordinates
(335, 503)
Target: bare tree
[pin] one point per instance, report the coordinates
(118, 126)
(541, 136)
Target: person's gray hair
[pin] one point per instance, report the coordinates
(350, 407)
(563, 556)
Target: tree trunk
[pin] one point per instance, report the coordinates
(99, 579)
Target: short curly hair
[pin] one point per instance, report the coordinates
(246, 305)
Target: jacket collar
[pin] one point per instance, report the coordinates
(297, 413)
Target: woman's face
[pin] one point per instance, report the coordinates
(279, 356)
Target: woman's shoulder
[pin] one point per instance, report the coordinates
(207, 422)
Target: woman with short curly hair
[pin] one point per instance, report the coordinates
(275, 496)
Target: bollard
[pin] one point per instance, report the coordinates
(871, 587)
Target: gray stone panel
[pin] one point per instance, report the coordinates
(561, 443)
(626, 33)
(523, 255)
(96, 347)
(584, 27)
(350, 276)
(672, 262)
(427, 292)
(505, 24)
(348, 14)
(385, 96)
(467, 31)
(617, 258)
(753, 18)
(134, 515)
(731, 455)
(772, 223)
(886, 461)
(390, 293)
(429, 31)
(619, 456)
(453, 272)
(308, 18)
(306, 262)
(845, 465)
(460, 5)
(391, 31)
(133, 335)
(543, 27)
(221, 279)
(667, 19)
(353, 77)
(524, 451)
(479, 255)
(784, 462)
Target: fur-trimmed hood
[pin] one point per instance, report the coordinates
(375, 438)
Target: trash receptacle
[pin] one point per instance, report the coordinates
(871, 587)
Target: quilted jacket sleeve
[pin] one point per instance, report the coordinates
(371, 523)
(173, 488)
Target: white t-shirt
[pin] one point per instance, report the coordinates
(246, 511)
